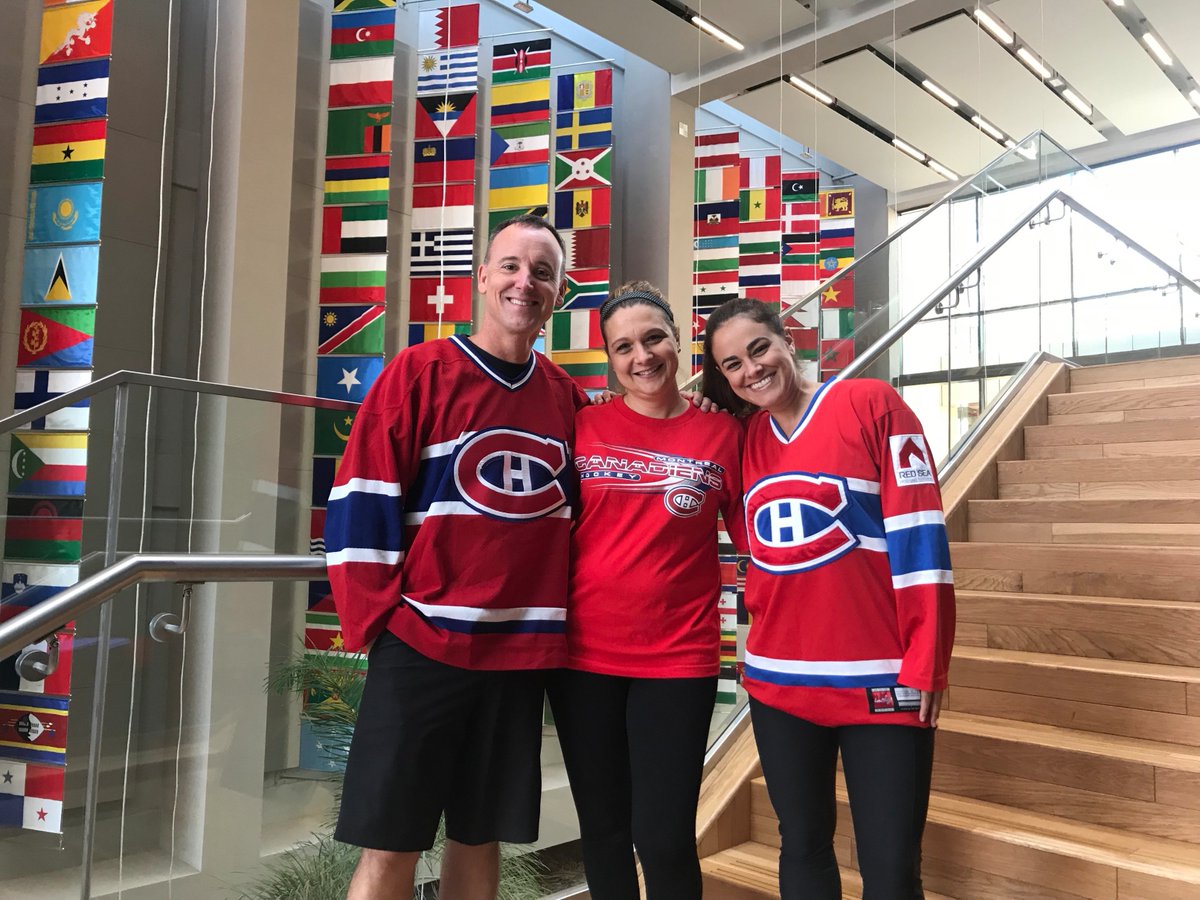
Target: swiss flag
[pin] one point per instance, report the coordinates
(448, 300)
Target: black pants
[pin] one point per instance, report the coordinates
(634, 750)
(887, 769)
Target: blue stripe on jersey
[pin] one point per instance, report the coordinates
(918, 549)
(799, 679)
(434, 481)
(532, 626)
(364, 521)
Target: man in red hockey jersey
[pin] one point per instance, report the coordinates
(447, 540)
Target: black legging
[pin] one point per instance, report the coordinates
(887, 769)
(634, 750)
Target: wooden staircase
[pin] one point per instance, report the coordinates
(1068, 757)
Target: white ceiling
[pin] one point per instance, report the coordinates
(1137, 106)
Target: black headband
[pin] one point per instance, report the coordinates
(611, 304)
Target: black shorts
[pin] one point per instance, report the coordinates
(433, 738)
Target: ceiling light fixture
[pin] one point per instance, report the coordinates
(1117, 2)
(1033, 62)
(988, 128)
(1002, 34)
(1029, 151)
(940, 93)
(724, 37)
(812, 90)
(1076, 101)
(905, 147)
(523, 6)
(1194, 96)
(1157, 49)
(943, 170)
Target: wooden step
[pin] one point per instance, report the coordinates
(1161, 522)
(1128, 784)
(1121, 478)
(1156, 573)
(1169, 437)
(1104, 696)
(976, 850)
(1127, 405)
(1149, 631)
(1143, 373)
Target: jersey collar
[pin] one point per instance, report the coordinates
(818, 397)
(525, 375)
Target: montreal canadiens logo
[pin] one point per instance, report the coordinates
(684, 501)
(794, 522)
(511, 474)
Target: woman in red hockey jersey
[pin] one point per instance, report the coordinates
(851, 600)
(633, 708)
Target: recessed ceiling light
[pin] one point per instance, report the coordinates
(939, 92)
(1002, 34)
(943, 170)
(1157, 49)
(1076, 101)
(722, 36)
(523, 6)
(905, 147)
(1194, 96)
(811, 89)
(1033, 62)
(988, 128)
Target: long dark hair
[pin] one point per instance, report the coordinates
(716, 385)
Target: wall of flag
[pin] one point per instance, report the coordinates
(48, 462)
(774, 236)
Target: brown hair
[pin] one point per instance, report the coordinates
(529, 221)
(715, 384)
(635, 292)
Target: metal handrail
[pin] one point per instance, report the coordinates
(127, 377)
(193, 568)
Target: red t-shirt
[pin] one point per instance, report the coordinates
(645, 578)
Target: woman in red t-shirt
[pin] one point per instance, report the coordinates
(634, 706)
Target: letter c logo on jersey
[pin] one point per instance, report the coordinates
(794, 522)
(511, 474)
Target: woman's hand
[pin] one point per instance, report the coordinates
(602, 397)
(931, 705)
(698, 399)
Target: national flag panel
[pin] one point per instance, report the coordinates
(513, 186)
(518, 145)
(60, 275)
(760, 171)
(444, 115)
(31, 796)
(347, 377)
(354, 5)
(56, 337)
(442, 254)
(759, 205)
(497, 216)
(448, 71)
(584, 128)
(37, 386)
(361, 278)
(47, 464)
(33, 728)
(27, 584)
(350, 330)
(520, 102)
(331, 431)
(359, 130)
(718, 184)
(324, 470)
(586, 288)
(360, 82)
(717, 150)
(448, 26)
(79, 31)
(437, 207)
(74, 91)
(584, 208)
(577, 329)
(70, 152)
(354, 229)
(574, 169)
(836, 354)
(585, 90)
(837, 203)
(444, 160)
(371, 32)
(587, 248)
(64, 213)
(444, 299)
(524, 61)
(420, 332)
(44, 529)
(356, 179)
(800, 217)
(838, 293)
(800, 187)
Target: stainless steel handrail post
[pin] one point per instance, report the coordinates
(104, 635)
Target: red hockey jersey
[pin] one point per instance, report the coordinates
(850, 591)
(449, 521)
(645, 577)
